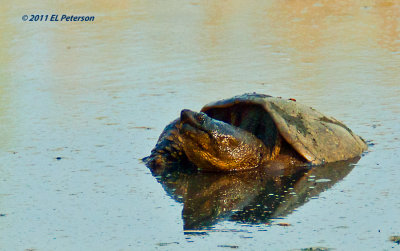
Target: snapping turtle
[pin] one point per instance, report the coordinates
(250, 130)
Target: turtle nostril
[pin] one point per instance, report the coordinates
(185, 115)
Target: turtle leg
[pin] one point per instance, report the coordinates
(168, 150)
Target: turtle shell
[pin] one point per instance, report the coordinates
(315, 136)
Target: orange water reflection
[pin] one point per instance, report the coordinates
(300, 43)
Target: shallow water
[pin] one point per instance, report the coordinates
(82, 103)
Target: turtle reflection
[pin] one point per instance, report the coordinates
(255, 196)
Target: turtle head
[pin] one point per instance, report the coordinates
(198, 131)
(213, 145)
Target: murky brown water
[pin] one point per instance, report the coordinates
(98, 95)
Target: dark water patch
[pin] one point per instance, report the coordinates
(163, 244)
(141, 127)
(314, 249)
(395, 239)
(228, 246)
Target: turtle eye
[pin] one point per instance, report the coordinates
(201, 118)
